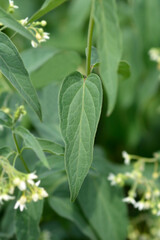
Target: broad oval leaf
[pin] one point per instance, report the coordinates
(80, 107)
(12, 67)
(31, 142)
(46, 7)
(13, 24)
(109, 47)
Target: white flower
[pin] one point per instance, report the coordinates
(31, 177)
(16, 181)
(158, 213)
(140, 205)
(34, 44)
(44, 37)
(35, 197)
(112, 178)
(21, 203)
(20, 184)
(37, 183)
(5, 197)
(24, 21)
(126, 157)
(43, 193)
(11, 4)
(129, 200)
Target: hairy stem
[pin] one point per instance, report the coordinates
(89, 41)
(19, 152)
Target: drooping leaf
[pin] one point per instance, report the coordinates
(45, 8)
(51, 147)
(27, 222)
(70, 211)
(109, 47)
(31, 142)
(80, 107)
(124, 70)
(13, 24)
(103, 207)
(12, 67)
(5, 119)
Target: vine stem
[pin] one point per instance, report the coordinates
(89, 40)
(19, 152)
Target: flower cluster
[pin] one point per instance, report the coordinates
(149, 231)
(26, 183)
(37, 30)
(154, 54)
(12, 7)
(144, 193)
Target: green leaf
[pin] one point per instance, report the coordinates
(109, 47)
(80, 107)
(12, 67)
(103, 207)
(10, 22)
(45, 8)
(70, 61)
(27, 222)
(124, 70)
(63, 207)
(5, 119)
(33, 59)
(6, 152)
(31, 142)
(51, 147)
(94, 57)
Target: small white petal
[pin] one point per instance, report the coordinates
(35, 197)
(34, 44)
(129, 200)
(126, 157)
(43, 193)
(32, 176)
(38, 183)
(22, 186)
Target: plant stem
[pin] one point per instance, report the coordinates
(19, 152)
(89, 41)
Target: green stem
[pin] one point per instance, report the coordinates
(19, 152)
(89, 41)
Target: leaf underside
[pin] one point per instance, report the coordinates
(80, 106)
